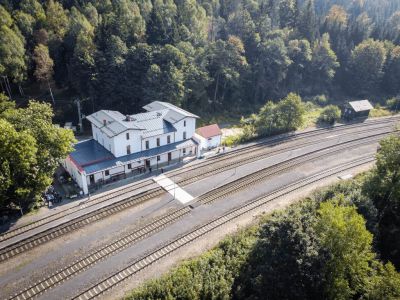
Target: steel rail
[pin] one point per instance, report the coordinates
(155, 255)
(189, 178)
(169, 218)
(55, 232)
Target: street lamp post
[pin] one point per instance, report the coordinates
(174, 185)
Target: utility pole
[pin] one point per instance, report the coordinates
(78, 105)
(51, 93)
(7, 84)
(2, 87)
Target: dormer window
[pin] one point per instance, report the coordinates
(104, 122)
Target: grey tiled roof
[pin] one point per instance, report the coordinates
(157, 120)
(115, 122)
(153, 123)
(174, 114)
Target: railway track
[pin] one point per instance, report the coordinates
(154, 256)
(211, 166)
(69, 226)
(171, 217)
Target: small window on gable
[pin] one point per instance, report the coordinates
(127, 135)
(147, 145)
(184, 123)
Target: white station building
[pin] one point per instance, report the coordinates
(125, 145)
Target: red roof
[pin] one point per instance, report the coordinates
(209, 131)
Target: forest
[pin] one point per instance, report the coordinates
(339, 243)
(209, 56)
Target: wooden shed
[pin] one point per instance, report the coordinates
(357, 109)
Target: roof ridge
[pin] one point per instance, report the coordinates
(174, 107)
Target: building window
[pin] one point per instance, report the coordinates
(127, 135)
(147, 145)
(184, 151)
(107, 172)
(158, 158)
(184, 123)
(128, 149)
(184, 135)
(168, 139)
(129, 166)
(158, 142)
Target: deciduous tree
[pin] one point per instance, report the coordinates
(12, 54)
(324, 64)
(31, 153)
(342, 234)
(384, 189)
(366, 67)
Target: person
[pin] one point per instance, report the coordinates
(162, 170)
(150, 169)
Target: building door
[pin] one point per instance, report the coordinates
(169, 157)
(91, 179)
(147, 163)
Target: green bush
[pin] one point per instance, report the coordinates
(232, 140)
(285, 116)
(393, 103)
(320, 100)
(330, 114)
